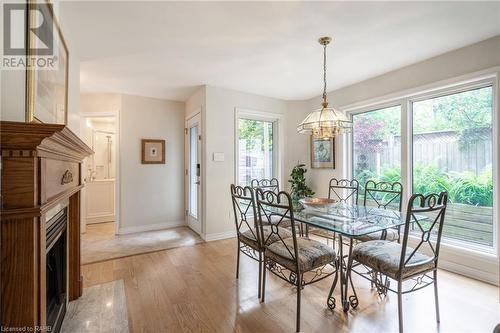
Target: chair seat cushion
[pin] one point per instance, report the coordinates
(384, 256)
(312, 254)
(392, 235)
(249, 237)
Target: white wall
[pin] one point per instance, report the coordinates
(73, 73)
(196, 102)
(152, 196)
(100, 103)
(74, 94)
(12, 95)
(148, 196)
(218, 118)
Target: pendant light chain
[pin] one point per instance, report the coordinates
(325, 122)
(324, 73)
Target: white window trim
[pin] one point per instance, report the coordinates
(469, 260)
(278, 141)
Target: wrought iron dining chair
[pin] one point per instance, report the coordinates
(400, 262)
(342, 190)
(383, 195)
(272, 185)
(250, 237)
(297, 260)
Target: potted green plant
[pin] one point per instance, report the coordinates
(298, 183)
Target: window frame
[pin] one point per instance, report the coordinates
(277, 120)
(351, 136)
(438, 89)
(446, 92)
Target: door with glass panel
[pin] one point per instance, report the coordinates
(452, 147)
(193, 173)
(256, 153)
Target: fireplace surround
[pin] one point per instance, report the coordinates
(40, 224)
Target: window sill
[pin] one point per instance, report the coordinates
(468, 261)
(479, 250)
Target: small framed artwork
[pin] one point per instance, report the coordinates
(153, 151)
(322, 153)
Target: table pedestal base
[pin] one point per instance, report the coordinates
(344, 270)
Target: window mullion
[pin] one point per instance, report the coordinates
(406, 150)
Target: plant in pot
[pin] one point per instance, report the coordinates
(298, 183)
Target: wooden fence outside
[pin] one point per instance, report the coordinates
(442, 149)
(464, 222)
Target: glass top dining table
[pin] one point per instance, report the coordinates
(348, 220)
(351, 221)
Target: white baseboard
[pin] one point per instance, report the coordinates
(474, 273)
(150, 227)
(218, 236)
(100, 219)
(467, 262)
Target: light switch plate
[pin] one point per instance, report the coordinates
(218, 157)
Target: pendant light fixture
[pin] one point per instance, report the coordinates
(326, 122)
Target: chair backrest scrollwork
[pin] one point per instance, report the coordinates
(384, 194)
(343, 190)
(266, 184)
(274, 209)
(429, 230)
(244, 211)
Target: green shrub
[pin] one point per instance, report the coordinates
(464, 188)
(430, 179)
(391, 175)
(362, 176)
(467, 188)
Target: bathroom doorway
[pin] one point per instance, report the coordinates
(99, 170)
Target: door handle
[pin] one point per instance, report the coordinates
(197, 183)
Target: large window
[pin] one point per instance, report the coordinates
(256, 155)
(452, 151)
(448, 146)
(377, 145)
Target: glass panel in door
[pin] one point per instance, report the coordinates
(193, 171)
(255, 150)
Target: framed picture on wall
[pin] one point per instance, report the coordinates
(153, 151)
(47, 82)
(322, 153)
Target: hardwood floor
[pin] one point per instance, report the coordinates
(100, 243)
(193, 289)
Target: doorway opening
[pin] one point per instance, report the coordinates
(99, 171)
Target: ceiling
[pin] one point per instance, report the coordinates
(168, 49)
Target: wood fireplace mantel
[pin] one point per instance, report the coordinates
(40, 170)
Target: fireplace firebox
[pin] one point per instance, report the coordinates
(56, 277)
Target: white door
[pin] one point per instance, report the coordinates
(193, 173)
